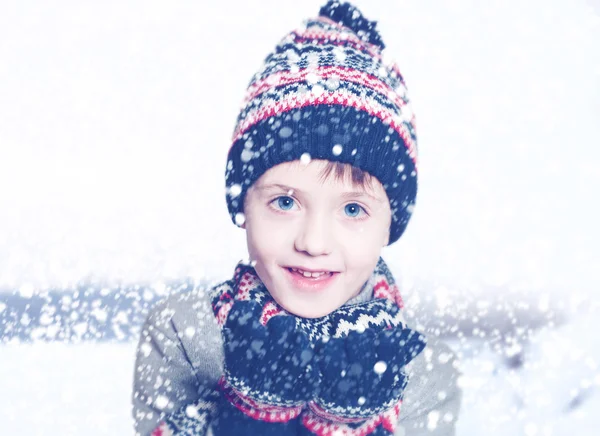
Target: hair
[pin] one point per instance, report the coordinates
(341, 171)
(359, 178)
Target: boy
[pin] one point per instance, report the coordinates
(309, 338)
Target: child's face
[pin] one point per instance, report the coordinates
(320, 225)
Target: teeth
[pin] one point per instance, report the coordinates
(309, 274)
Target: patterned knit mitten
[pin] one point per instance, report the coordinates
(362, 377)
(268, 376)
(267, 360)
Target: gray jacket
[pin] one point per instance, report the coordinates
(180, 353)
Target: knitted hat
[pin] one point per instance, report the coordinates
(326, 93)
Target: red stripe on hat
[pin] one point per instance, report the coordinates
(343, 73)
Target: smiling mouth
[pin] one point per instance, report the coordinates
(310, 275)
(306, 281)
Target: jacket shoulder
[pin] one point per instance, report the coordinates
(188, 317)
(179, 355)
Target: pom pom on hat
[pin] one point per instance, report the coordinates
(349, 16)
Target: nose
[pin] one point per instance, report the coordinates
(314, 236)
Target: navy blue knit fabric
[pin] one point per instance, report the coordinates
(255, 353)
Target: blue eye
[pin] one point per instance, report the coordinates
(285, 202)
(353, 209)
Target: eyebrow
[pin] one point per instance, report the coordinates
(347, 194)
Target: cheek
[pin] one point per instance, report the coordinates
(364, 236)
(265, 241)
(267, 225)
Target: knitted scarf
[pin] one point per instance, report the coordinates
(341, 374)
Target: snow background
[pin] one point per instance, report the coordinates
(115, 123)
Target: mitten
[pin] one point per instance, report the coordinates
(268, 373)
(267, 363)
(362, 370)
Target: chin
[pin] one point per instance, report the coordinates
(310, 314)
(311, 311)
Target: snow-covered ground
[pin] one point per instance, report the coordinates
(551, 388)
(115, 122)
(65, 389)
